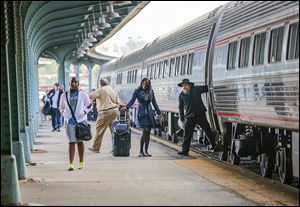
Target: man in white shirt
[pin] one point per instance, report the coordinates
(54, 96)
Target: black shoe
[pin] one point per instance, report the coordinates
(53, 130)
(147, 154)
(217, 148)
(142, 154)
(58, 130)
(183, 153)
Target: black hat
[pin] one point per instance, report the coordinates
(186, 81)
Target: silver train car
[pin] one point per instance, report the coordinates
(248, 55)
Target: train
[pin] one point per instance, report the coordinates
(247, 52)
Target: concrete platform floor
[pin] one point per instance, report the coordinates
(163, 179)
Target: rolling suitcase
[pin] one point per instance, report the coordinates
(121, 137)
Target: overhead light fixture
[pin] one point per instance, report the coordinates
(79, 48)
(96, 32)
(110, 12)
(80, 55)
(86, 40)
(102, 23)
(90, 34)
(120, 3)
(91, 8)
(85, 43)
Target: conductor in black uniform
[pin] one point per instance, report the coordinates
(192, 112)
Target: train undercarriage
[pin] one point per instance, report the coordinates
(276, 150)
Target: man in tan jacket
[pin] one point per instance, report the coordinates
(107, 107)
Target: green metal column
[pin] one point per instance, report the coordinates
(13, 84)
(36, 96)
(76, 67)
(67, 75)
(28, 92)
(10, 191)
(90, 67)
(21, 81)
(61, 71)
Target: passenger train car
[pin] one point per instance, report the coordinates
(248, 55)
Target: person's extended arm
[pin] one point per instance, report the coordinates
(181, 109)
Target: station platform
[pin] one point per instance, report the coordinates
(166, 178)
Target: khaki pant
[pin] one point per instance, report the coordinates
(104, 120)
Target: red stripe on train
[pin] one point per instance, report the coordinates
(257, 116)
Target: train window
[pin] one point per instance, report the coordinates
(159, 69)
(183, 65)
(132, 76)
(155, 71)
(119, 78)
(151, 71)
(231, 55)
(177, 64)
(275, 48)
(148, 70)
(190, 64)
(135, 74)
(166, 64)
(128, 76)
(172, 65)
(244, 52)
(259, 49)
(293, 42)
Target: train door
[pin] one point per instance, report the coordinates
(215, 123)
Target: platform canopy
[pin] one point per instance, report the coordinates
(50, 25)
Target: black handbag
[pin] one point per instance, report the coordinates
(157, 121)
(83, 129)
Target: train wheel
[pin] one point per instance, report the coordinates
(266, 165)
(234, 158)
(284, 165)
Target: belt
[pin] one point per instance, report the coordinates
(109, 108)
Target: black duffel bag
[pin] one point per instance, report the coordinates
(46, 109)
(83, 129)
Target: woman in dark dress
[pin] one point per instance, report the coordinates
(145, 115)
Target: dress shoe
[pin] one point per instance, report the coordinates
(95, 151)
(217, 148)
(147, 154)
(142, 154)
(183, 153)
